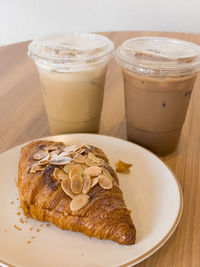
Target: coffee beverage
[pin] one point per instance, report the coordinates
(159, 76)
(156, 109)
(73, 100)
(72, 74)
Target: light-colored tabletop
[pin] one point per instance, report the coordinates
(22, 118)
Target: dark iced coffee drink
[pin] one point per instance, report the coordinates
(159, 76)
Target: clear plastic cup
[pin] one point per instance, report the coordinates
(72, 69)
(159, 76)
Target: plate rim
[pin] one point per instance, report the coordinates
(178, 217)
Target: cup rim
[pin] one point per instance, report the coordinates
(159, 69)
(41, 58)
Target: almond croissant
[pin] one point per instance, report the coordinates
(74, 188)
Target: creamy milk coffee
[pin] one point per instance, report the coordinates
(72, 69)
(159, 76)
(73, 100)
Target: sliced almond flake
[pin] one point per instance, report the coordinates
(35, 168)
(45, 160)
(70, 149)
(94, 181)
(76, 183)
(79, 147)
(76, 169)
(59, 174)
(43, 163)
(57, 160)
(101, 162)
(87, 146)
(105, 182)
(79, 158)
(66, 186)
(86, 184)
(107, 173)
(68, 167)
(79, 202)
(54, 152)
(50, 148)
(93, 171)
(64, 154)
(92, 157)
(81, 150)
(76, 151)
(40, 154)
(90, 163)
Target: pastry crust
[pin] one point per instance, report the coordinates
(105, 215)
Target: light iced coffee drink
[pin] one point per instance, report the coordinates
(72, 69)
(159, 76)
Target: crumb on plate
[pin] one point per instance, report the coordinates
(21, 220)
(17, 227)
(122, 167)
(16, 182)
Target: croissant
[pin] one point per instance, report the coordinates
(75, 188)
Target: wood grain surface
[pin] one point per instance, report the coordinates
(22, 118)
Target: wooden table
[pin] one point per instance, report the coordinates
(23, 118)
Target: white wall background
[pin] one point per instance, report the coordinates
(26, 19)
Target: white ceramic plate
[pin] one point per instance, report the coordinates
(151, 192)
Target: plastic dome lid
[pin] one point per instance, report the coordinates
(162, 56)
(71, 51)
